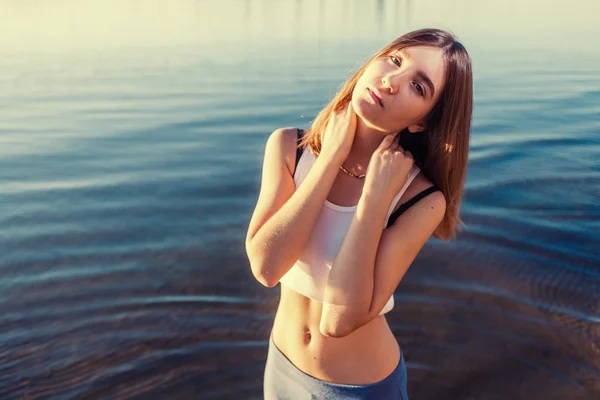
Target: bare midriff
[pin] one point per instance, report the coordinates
(367, 355)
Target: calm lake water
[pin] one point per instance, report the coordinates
(131, 145)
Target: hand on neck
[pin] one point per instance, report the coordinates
(366, 141)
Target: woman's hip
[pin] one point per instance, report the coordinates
(283, 380)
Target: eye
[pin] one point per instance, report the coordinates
(419, 88)
(396, 60)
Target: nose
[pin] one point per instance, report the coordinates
(392, 80)
(390, 83)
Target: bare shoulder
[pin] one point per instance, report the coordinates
(285, 139)
(418, 184)
(435, 199)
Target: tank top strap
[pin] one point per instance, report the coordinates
(411, 176)
(411, 202)
(299, 149)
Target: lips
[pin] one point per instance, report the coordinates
(376, 98)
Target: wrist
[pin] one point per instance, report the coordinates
(333, 159)
(372, 206)
(370, 197)
(376, 195)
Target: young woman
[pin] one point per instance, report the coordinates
(345, 207)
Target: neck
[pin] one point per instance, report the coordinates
(366, 141)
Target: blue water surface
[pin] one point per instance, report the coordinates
(131, 146)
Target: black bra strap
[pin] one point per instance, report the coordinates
(299, 149)
(409, 203)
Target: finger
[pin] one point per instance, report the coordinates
(350, 107)
(396, 145)
(340, 113)
(347, 112)
(386, 142)
(408, 155)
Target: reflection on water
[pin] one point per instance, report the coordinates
(131, 142)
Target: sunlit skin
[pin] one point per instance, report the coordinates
(405, 94)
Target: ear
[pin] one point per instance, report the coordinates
(420, 127)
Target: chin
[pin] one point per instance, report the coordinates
(364, 111)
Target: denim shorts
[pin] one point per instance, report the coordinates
(284, 381)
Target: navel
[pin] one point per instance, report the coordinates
(307, 335)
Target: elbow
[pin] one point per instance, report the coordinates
(261, 275)
(265, 281)
(339, 321)
(332, 334)
(258, 268)
(334, 330)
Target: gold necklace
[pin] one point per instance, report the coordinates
(352, 174)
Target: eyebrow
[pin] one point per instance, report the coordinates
(420, 73)
(424, 76)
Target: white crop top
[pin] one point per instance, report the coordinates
(308, 276)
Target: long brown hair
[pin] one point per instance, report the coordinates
(448, 123)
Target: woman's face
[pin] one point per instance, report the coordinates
(398, 90)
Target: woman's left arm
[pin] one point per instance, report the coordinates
(372, 260)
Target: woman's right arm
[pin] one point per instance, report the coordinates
(284, 216)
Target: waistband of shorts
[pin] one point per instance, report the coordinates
(285, 366)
